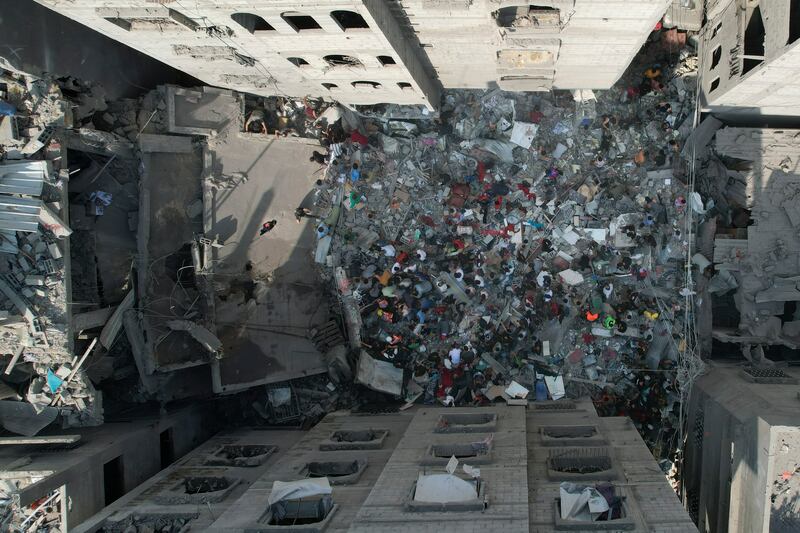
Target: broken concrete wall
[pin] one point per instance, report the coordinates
(80, 469)
(589, 47)
(752, 51)
(256, 50)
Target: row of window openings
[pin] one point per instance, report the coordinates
(347, 20)
(403, 85)
(334, 60)
(754, 41)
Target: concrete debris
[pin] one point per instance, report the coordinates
(44, 380)
(750, 188)
(207, 340)
(529, 241)
(380, 376)
(24, 418)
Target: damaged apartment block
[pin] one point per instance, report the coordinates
(412, 265)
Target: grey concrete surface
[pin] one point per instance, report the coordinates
(265, 342)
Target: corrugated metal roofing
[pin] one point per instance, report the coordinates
(19, 214)
(24, 177)
(19, 182)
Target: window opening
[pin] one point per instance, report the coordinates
(297, 61)
(113, 480)
(251, 23)
(301, 22)
(349, 20)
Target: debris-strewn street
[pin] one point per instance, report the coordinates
(227, 300)
(523, 245)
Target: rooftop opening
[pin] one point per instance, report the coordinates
(300, 22)
(300, 512)
(580, 463)
(616, 517)
(202, 485)
(240, 455)
(460, 451)
(354, 436)
(197, 489)
(479, 452)
(337, 472)
(569, 432)
(386, 61)
(297, 61)
(330, 86)
(571, 436)
(466, 423)
(446, 492)
(332, 469)
(364, 439)
(528, 16)
(303, 511)
(755, 34)
(716, 55)
(714, 85)
(251, 23)
(349, 20)
(405, 86)
(113, 480)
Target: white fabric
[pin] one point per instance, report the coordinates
(293, 490)
(444, 488)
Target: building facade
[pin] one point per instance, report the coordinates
(376, 463)
(381, 51)
(81, 473)
(750, 56)
(741, 462)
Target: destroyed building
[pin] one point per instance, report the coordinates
(60, 480)
(741, 464)
(376, 473)
(751, 51)
(481, 237)
(375, 51)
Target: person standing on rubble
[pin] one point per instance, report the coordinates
(355, 173)
(301, 212)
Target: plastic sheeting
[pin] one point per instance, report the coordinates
(294, 490)
(444, 488)
(579, 502)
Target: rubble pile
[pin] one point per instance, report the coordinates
(521, 246)
(283, 117)
(42, 379)
(298, 402)
(128, 117)
(42, 515)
